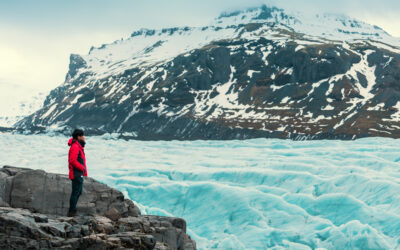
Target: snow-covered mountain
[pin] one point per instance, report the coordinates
(259, 72)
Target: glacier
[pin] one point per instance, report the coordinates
(251, 194)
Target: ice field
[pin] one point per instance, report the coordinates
(254, 194)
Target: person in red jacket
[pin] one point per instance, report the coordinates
(77, 167)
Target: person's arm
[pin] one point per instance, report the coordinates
(73, 157)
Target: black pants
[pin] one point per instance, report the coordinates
(77, 186)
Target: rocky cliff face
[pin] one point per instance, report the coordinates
(33, 205)
(253, 73)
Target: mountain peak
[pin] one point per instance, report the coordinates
(251, 73)
(333, 26)
(263, 13)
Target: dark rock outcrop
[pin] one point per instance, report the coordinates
(33, 205)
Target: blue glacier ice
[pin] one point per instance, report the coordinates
(253, 194)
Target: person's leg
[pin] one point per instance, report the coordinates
(80, 188)
(74, 196)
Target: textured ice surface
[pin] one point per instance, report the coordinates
(251, 194)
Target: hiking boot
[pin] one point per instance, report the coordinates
(71, 213)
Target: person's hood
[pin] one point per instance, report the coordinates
(70, 141)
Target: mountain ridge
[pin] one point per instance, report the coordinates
(260, 73)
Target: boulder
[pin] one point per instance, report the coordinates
(49, 193)
(113, 214)
(33, 205)
(20, 229)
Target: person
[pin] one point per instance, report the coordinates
(77, 168)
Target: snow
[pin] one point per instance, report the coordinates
(183, 72)
(377, 107)
(49, 111)
(76, 98)
(285, 194)
(115, 87)
(81, 104)
(299, 47)
(317, 119)
(328, 107)
(250, 52)
(396, 116)
(251, 72)
(266, 54)
(146, 74)
(125, 97)
(288, 71)
(314, 26)
(369, 72)
(150, 85)
(285, 99)
(280, 129)
(225, 100)
(275, 88)
(142, 50)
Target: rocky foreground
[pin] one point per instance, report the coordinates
(33, 205)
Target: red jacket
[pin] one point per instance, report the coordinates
(76, 156)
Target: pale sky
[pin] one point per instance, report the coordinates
(37, 37)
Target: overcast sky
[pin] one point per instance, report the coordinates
(38, 36)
